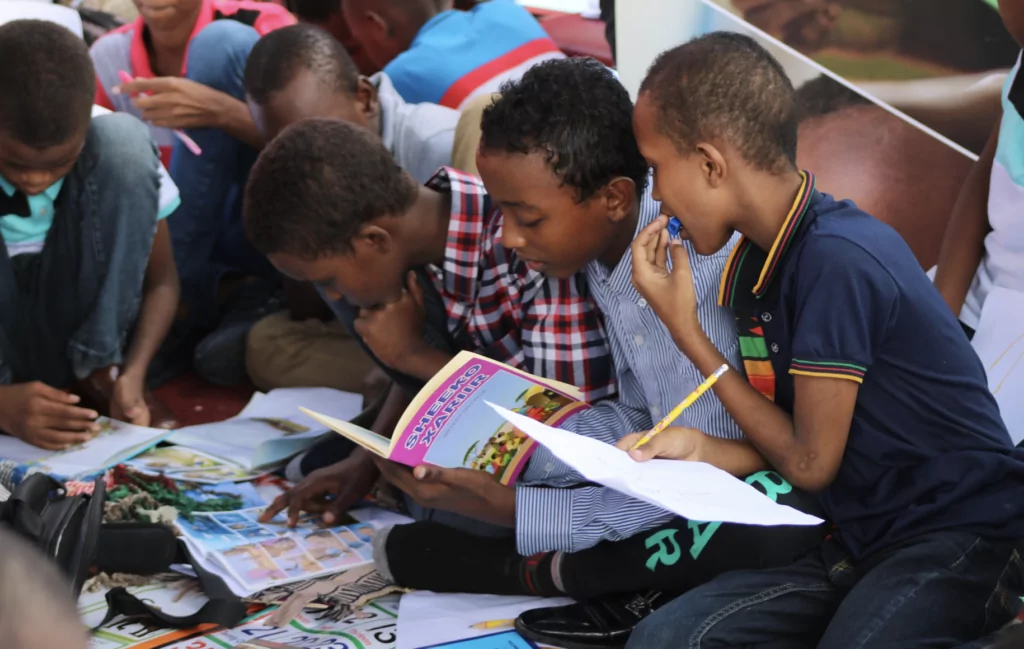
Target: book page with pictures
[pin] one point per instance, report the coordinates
(115, 443)
(271, 428)
(449, 423)
(253, 556)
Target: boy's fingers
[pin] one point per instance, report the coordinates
(62, 411)
(60, 439)
(661, 250)
(274, 508)
(680, 258)
(53, 394)
(628, 441)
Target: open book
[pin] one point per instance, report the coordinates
(449, 423)
(270, 429)
(115, 443)
(251, 556)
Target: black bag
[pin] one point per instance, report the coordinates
(71, 533)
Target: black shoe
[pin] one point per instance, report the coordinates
(604, 623)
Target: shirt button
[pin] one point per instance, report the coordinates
(767, 317)
(656, 412)
(642, 303)
(639, 340)
(775, 347)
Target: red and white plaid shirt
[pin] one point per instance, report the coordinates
(501, 309)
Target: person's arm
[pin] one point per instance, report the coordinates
(964, 243)
(160, 293)
(844, 302)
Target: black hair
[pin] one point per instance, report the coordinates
(823, 95)
(316, 184)
(725, 85)
(47, 83)
(277, 57)
(578, 114)
(315, 11)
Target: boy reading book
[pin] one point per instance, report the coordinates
(880, 404)
(560, 159)
(86, 262)
(359, 239)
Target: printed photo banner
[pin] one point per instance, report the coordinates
(939, 64)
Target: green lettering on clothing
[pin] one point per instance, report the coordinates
(773, 484)
(664, 554)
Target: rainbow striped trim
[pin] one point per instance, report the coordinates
(832, 369)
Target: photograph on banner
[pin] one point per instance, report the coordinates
(914, 55)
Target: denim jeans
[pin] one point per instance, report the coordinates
(67, 310)
(940, 590)
(206, 230)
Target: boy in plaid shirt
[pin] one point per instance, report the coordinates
(418, 273)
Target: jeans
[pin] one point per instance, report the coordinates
(68, 310)
(206, 230)
(940, 590)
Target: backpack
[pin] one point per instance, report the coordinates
(71, 533)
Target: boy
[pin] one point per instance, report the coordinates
(983, 247)
(299, 72)
(86, 260)
(560, 158)
(434, 53)
(327, 15)
(904, 444)
(187, 58)
(357, 240)
(36, 611)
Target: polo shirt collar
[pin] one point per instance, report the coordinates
(749, 271)
(141, 66)
(50, 192)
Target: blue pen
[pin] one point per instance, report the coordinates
(674, 227)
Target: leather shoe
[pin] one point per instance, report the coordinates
(604, 623)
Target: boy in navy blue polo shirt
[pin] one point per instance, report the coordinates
(880, 403)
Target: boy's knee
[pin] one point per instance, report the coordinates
(217, 55)
(121, 145)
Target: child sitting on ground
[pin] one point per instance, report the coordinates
(36, 609)
(187, 58)
(86, 261)
(903, 443)
(984, 244)
(358, 223)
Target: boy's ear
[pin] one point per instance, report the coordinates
(712, 163)
(380, 24)
(619, 196)
(367, 98)
(373, 239)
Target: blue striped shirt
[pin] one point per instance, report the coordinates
(555, 508)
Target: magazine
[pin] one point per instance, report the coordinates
(190, 465)
(252, 556)
(270, 429)
(449, 423)
(115, 443)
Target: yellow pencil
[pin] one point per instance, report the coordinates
(494, 624)
(687, 402)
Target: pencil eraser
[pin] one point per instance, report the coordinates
(674, 227)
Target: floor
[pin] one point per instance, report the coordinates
(194, 401)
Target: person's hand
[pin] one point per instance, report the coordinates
(175, 102)
(128, 402)
(394, 332)
(476, 494)
(673, 443)
(329, 491)
(44, 416)
(670, 293)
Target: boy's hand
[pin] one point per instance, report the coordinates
(394, 332)
(476, 494)
(45, 417)
(673, 443)
(175, 102)
(670, 294)
(128, 402)
(346, 482)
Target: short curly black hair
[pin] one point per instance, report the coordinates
(725, 85)
(47, 83)
(578, 114)
(276, 58)
(315, 11)
(316, 184)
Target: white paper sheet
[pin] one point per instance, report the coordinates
(426, 619)
(999, 341)
(694, 490)
(253, 444)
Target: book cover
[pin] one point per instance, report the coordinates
(449, 423)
